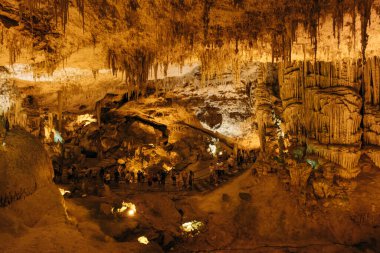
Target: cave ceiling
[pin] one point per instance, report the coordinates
(134, 35)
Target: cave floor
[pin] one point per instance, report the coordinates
(272, 219)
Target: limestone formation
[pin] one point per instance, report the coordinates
(24, 167)
(323, 106)
(299, 174)
(322, 188)
(372, 125)
(371, 121)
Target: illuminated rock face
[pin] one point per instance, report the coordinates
(322, 106)
(24, 167)
(371, 120)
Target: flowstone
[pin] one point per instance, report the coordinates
(326, 99)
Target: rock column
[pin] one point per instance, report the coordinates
(322, 105)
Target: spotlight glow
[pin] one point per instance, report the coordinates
(192, 226)
(63, 191)
(130, 208)
(143, 240)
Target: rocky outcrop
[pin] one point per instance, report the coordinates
(25, 167)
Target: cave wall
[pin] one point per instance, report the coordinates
(323, 108)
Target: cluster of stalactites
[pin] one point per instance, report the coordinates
(214, 62)
(60, 8)
(10, 104)
(135, 67)
(281, 41)
(14, 43)
(34, 18)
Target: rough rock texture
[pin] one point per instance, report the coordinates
(265, 103)
(264, 112)
(322, 188)
(372, 125)
(333, 115)
(371, 120)
(222, 106)
(325, 97)
(299, 174)
(292, 93)
(24, 167)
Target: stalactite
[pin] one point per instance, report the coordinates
(111, 60)
(365, 16)
(80, 6)
(64, 9)
(32, 5)
(338, 15)
(207, 4)
(353, 26)
(236, 66)
(61, 9)
(214, 61)
(14, 47)
(313, 25)
(288, 38)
